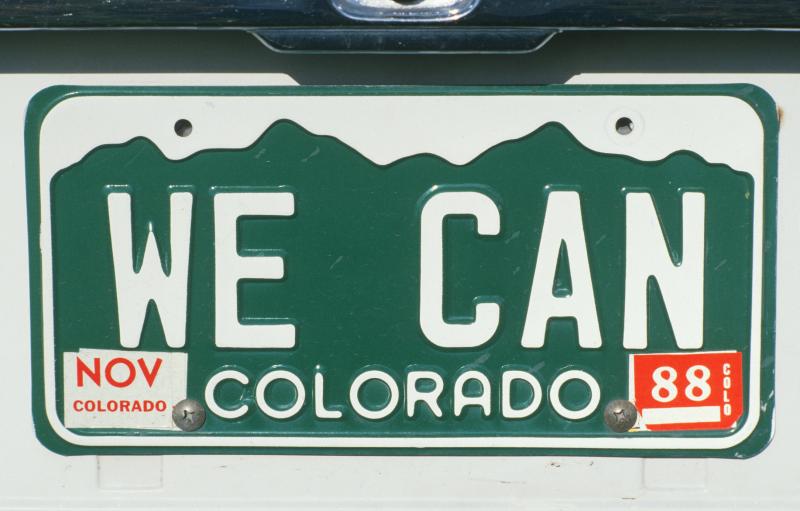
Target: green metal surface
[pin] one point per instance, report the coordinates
(352, 269)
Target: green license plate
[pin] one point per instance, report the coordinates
(570, 270)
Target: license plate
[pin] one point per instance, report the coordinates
(574, 270)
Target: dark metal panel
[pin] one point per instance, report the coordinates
(405, 40)
(718, 14)
(696, 14)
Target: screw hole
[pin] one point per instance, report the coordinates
(624, 126)
(183, 128)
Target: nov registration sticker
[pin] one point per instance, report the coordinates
(570, 270)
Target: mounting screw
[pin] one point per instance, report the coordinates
(620, 415)
(189, 415)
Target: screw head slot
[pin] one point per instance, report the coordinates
(620, 415)
(189, 415)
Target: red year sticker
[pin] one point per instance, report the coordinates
(687, 391)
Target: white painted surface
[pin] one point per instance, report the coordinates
(676, 475)
(138, 473)
(681, 415)
(32, 477)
